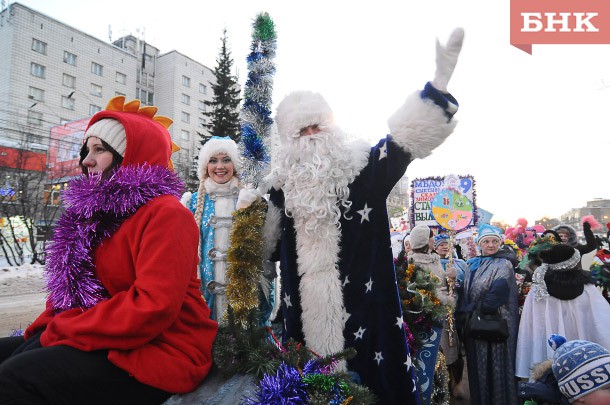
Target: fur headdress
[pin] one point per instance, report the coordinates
(299, 110)
(214, 146)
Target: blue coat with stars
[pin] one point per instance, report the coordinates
(374, 325)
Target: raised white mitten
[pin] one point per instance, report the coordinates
(446, 59)
(246, 197)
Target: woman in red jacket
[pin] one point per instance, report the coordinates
(124, 321)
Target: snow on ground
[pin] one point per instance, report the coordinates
(22, 296)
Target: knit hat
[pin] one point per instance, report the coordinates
(488, 231)
(299, 110)
(214, 146)
(440, 238)
(420, 235)
(580, 366)
(110, 131)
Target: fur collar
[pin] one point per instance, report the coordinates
(95, 209)
(211, 187)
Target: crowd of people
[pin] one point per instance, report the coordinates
(137, 281)
(540, 289)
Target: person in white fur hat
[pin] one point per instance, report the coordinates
(328, 219)
(219, 194)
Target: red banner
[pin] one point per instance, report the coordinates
(559, 22)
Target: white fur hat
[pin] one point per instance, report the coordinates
(299, 110)
(420, 236)
(214, 146)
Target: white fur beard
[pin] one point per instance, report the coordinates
(321, 291)
(317, 170)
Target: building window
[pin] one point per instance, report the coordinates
(67, 103)
(201, 105)
(186, 81)
(203, 89)
(145, 97)
(186, 117)
(94, 108)
(96, 69)
(185, 135)
(144, 78)
(186, 99)
(69, 81)
(39, 46)
(34, 118)
(36, 94)
(69, 58)
(37, 70)
(118, 93)
(96, 90)
(202, 122)
(121, 78)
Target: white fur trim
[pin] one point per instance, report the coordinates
(271, 230)
(299, 110)
(321, 290)
(213, 147)
(361, 151)
(419, 126)
(186, 199)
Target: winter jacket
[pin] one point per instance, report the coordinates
(154, 322)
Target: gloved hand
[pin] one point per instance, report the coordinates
(246, 197)
(450, 272)
(586, 226)
(446, 59)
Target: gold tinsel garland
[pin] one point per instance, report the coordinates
(245, 259)
(440, 387)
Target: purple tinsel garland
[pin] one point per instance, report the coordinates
(95, 209)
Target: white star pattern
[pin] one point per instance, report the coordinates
(365, 213)
(359, 334)
(399, 322)
(408, 363)
(383, 151)
(378, 357)
(346, 281)
(345, 316)
(369, 285)
(287, 301)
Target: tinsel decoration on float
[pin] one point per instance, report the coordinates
(420, 307)
(288, 373)
(245, 264)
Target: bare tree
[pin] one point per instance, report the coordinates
(29, 204)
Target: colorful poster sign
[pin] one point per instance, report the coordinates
(455, 206)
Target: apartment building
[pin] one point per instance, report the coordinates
(55, 76)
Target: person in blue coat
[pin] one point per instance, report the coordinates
(327, 224)
(489, 282)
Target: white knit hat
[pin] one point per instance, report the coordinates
(299, 110)
(420, 236)
(110, 131)
(214, 146)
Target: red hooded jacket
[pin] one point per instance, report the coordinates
(155, 325)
